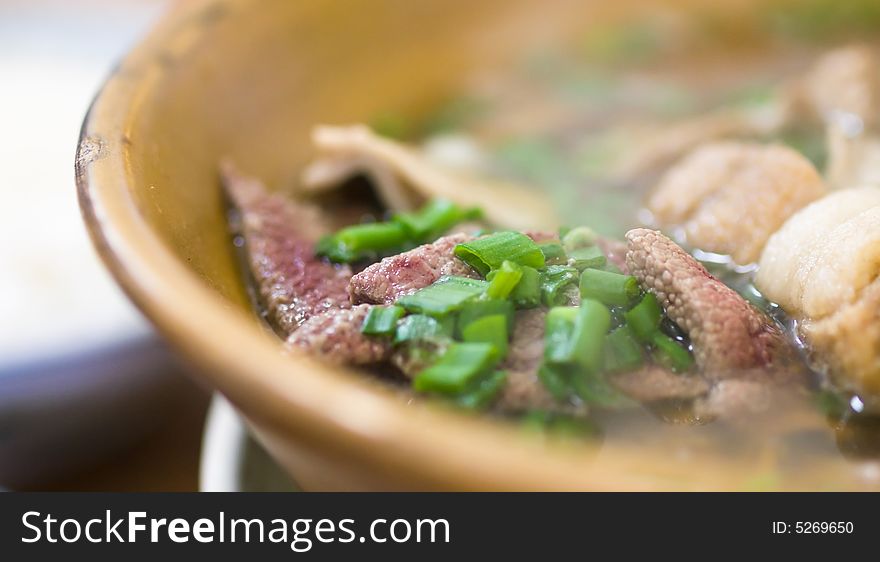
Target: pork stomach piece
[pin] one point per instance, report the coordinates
(842, 91)
(822, 268)
(729, 197)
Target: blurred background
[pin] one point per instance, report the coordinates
(90, 399)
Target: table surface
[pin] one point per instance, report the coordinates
(54, 46)
(166, 460)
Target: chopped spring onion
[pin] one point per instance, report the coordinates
(592, 322)
(594, 389)
(434, 218)
(644, 318)
(418, 327)
(609, 288)
(503, 281)
(590, 256)
(554, 253)
(476, 309)
(381, 320)
(622, 352)
(558, 340)
(553, 280)
(488, 329)
(404, 231)
(527, 293)
(446, 295)
(483, 391)
(578, 237)
(488, 253)
(555, 379)
(611, 268)
(360, 240)
(457, 368)
(560, 425)
(671, 354)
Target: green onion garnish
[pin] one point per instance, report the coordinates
(446, 295)
(476, 309)
(555, 379)
(671, 354)
(360, 240)
(558, 335)
(610, 267)
(553, 279)
(457, 368)
(488, 329)
(482, 391)
(381, 320)
(404, 231)
(418, 327)
(644, 318)
(590, 256)
(527, 293)
(622, 352)
(560, 425)
(503, 280)
(592, 322)
(434, 218)
(554, 253)
(578, 237)
(488, 253)
(594, 389)
(609, 288)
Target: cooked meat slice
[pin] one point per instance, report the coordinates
(386, 281)
(728, 198)
(654, 383)
(524, 391)
(412, 357)
(393, 277)
(335, 336)
(615, 251)
(279, 236)
(735, 399)
(728, 334)
(406, 178)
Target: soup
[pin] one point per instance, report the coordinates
(676, 255)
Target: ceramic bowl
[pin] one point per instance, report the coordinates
(248, 79)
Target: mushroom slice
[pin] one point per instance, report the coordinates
(405, 178)
(728, 198)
